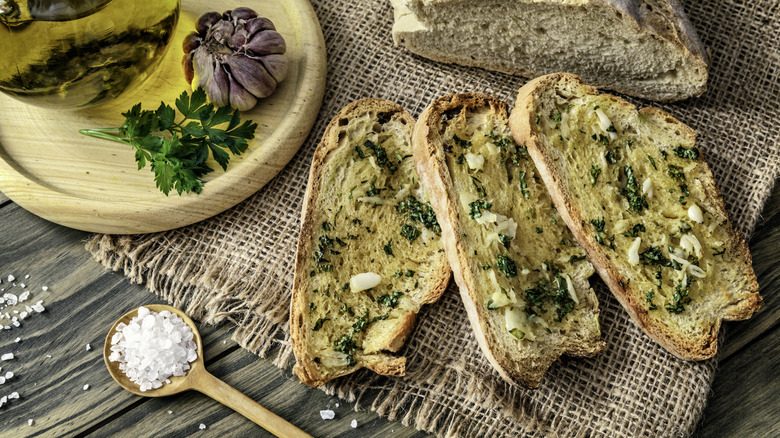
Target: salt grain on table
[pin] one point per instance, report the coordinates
(30, 422)
(201, 426)
(7, 356)
(327, 414)
(85, 387)
(153, 347)
(89, 347)
(353, 423)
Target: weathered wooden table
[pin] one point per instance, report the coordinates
(52, 365)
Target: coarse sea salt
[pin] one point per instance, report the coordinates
(7, 356)
(327, 414)
(153, 347)
(201, 426)
(353, 423)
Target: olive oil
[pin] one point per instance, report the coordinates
(77, 53)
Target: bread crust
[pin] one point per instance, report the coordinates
(521, 124)
(434, 174)
(657, 19)
(306, 368)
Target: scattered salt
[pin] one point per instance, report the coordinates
(24, 295)
(89, 347)
(45, 288)
(26, 277)
(30, 422)
(153, 347)
(337, 405)
(38, 307)
(327, 414)
(11, 278)
(201, 426)
(9, 374)
(353, 424)
(17, 340)
(7, 356)
(2, 380)
(86, 387)
(13, 395)
(22, 285)
(170, 412)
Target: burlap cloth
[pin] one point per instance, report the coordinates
(238, 266)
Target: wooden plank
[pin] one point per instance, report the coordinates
(51, 364)
(765, 249)
(750, 383)
(273, 388)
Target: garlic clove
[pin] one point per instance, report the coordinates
(206, 21)
(191, 42)
(239, 38)
(251, 75)
(203, 66)
(241, 99)
(221, 32)
(189, 72)
(242, 13)
(257, 24)
(218, 88)
(276, 65)
(266, 43)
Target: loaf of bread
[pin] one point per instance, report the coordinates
(369, 254)
(522, 277)
(643, 48)
(634, 189)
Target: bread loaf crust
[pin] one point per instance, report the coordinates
(416, 22)
(307, 368)
(522, 124)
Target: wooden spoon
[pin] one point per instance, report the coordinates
(199, 379)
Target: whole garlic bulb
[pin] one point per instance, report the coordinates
(236, 57)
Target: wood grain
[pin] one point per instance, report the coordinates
(746, 388)
(50, 169)
(765, 249)
(82, 303)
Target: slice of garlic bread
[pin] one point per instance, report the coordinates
(522, 278)
(634, 189)
(369, 254)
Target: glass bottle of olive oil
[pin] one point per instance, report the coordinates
(76, 53)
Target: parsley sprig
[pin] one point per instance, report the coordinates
(177, 151)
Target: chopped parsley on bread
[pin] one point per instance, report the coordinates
(369, 254)
(633, 187)
(522, 277)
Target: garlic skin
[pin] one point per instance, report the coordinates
(237, 57)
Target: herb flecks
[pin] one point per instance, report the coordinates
(636, 201)
(381, 156)
(506, 265)
(177, 151)
(689, 153)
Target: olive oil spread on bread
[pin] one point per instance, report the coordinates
(633, 187)
(369, 254)
(522, 277)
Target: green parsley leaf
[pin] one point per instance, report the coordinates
(177, 151)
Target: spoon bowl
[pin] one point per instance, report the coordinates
(178, 383)
(199, 379)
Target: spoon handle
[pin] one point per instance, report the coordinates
(236, 400)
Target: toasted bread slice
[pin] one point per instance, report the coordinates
(634, 189)
(369, 254)
(645, 48)
(522, 278)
